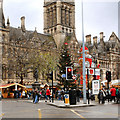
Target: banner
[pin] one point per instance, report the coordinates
(95, 87)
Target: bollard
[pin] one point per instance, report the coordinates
(67, 99)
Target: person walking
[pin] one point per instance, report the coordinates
(40, 94)
(117, 93)
(113, 93)
(59, 94)
(118, 96)
(23, 94)
(104, 95)
(107, 94)
(101, 96)
(33, 96)
(48, 94)
(36, 97)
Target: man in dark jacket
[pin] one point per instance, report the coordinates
(101, 96)
(33, 96)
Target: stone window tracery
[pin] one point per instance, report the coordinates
(3, 37)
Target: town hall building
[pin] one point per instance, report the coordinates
(59, 28)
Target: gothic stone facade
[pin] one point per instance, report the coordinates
(106, 53)
(59, 27)
(18, 41)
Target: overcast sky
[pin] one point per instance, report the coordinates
(100, 16)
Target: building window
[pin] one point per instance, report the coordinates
(9, 52)
(63, 30)
(55, 29)
(3, 37)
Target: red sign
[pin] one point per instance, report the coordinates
(97, 77)
(91, 71)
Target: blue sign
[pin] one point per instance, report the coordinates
(63, 75)
(66, 96)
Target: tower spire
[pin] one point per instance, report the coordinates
(2, 19)
(8, 22)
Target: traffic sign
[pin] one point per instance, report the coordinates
(63, 75)
(74, 77)
(91, 71)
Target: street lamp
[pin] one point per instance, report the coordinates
(84, 79)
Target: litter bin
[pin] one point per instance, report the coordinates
(72, 97)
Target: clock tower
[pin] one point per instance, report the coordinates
(59, 19)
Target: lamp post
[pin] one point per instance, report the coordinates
(84, 79)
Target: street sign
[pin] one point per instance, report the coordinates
(74, 77)
(63, 75)
(97, 71)
(91, 71)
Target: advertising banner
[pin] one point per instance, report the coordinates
(95, 87)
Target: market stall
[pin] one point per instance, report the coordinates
(8, 90)
(115, 83)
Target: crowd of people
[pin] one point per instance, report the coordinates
(59, 94)
(109, 94)
(39, 94)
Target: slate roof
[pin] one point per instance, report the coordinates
(104, 46)
(16, 35)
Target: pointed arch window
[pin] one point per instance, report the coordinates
(3, 37)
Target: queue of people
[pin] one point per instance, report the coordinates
(109, 94)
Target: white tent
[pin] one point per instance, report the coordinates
(115, 82)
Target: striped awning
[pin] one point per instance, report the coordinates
(11, 84)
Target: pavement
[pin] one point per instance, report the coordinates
(61, 104)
